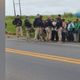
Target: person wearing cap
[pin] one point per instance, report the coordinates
(28, 26)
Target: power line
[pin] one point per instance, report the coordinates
(14, 4)
(14, 8)
(20, 7)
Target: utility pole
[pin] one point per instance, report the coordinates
(14, 8)
(20, 7)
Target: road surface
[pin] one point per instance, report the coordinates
(31, 60)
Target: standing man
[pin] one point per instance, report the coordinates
(70, 29)
(64, 31)
(38, 23)
(76, 24)
(48, 28)
(59, 26)
(36, 26)
(18, 23)
(77, 29)
(41, 28)
(28, 26)
(54, 32)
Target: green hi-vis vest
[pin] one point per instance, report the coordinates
(77, 25)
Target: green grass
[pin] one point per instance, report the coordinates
(11, 28)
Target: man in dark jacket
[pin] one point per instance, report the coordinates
(38, 24)
(48, 28)
(28, 26)
(59, 26)
(18, 23)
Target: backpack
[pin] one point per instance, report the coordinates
(71, 27)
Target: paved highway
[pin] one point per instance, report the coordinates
(42, 61)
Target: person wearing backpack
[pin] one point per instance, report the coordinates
(28, 27)
(70, 28)
(18, 24)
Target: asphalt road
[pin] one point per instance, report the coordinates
(23, 67)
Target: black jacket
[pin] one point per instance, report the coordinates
(49, 23)
(59, 23)
(38, 22)
(27, 23)
(17, 22)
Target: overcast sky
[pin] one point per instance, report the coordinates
(32, 7)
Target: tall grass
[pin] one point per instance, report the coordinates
(11, 28)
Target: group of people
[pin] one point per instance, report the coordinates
(57, 29)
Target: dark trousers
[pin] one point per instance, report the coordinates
(54, 35)
(78, 35)
(70, 36)
(64, 36)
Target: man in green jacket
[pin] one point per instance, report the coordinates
(77, 29)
